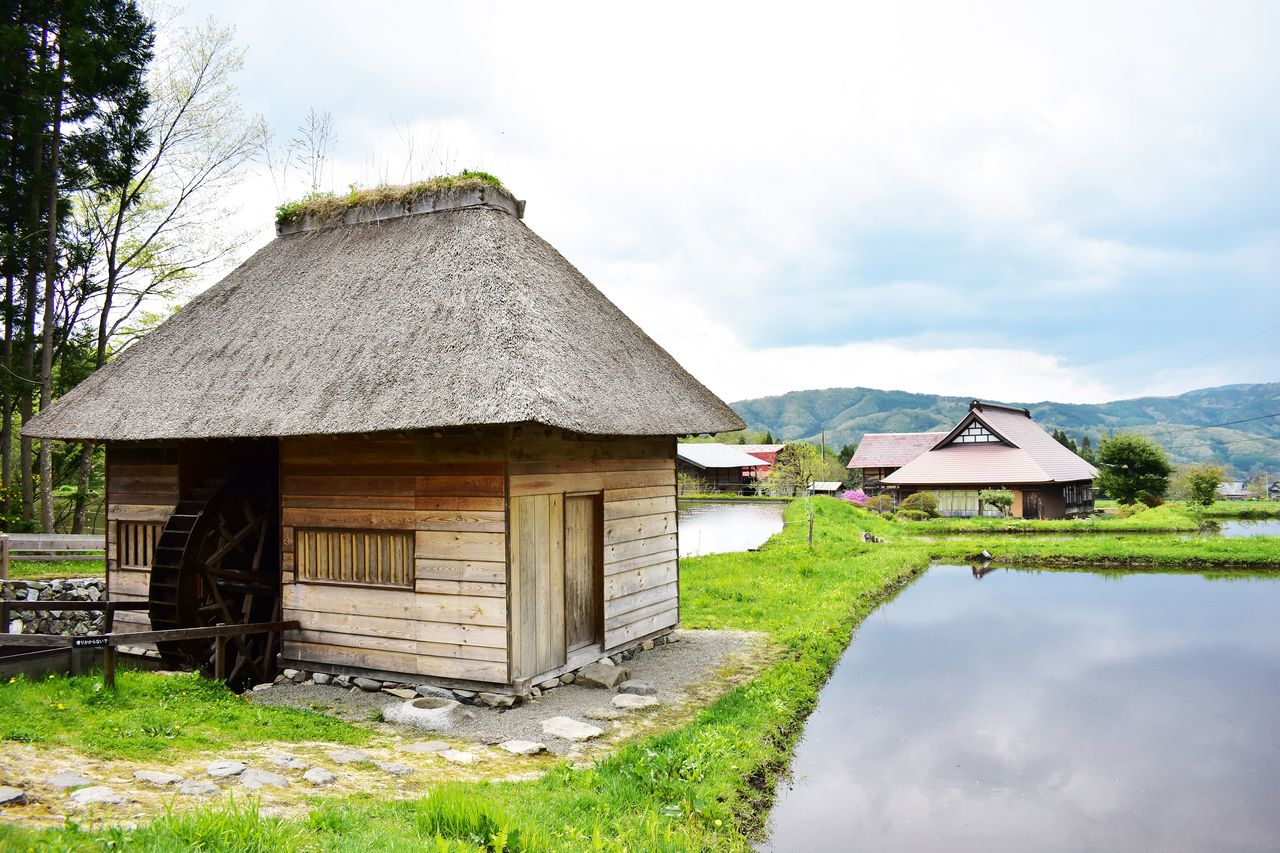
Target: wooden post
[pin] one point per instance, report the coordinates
(4, 558)
(109, 667)
(220, 658)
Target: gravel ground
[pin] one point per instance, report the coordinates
(678, 671)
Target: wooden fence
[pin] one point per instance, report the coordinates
(49, 547)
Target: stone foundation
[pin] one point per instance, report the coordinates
(67, 622)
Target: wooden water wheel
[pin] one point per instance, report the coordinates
(217, 563)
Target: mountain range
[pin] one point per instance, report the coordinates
(1234, 425)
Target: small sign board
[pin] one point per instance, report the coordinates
(84, 642)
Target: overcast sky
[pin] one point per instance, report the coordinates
(998, 200)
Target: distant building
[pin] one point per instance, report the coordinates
(1235, 490)
(1273, 491)
(767, 453)
(996, 447)
(879, 454)
(719, 467)
(823, 487)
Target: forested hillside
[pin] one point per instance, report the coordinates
(1184, 424)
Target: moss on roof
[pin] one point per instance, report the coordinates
(329, 206)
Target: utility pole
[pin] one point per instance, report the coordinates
(824, 443)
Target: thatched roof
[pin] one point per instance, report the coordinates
(459, 315)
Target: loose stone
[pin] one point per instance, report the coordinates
(570, 729)
(69, 779)
(349, 756)
(568, 678)
(522, 747)
(457, 756)
(630, 701)
(638, 686)
(157, 777)
(224, 769)
(497, 700)
(289, 761)
(535, 692)
(432, 690)
(10, 796)
(368, 685)
(423, 747)
(96, 794)
(258, 688)
(646, 646)
(292, 675)
(465, 694)
(253, 779)
(197, 788)
(605, 677)
(393, 768)
(400, 692)
(319, 776)
(322, 678)
(550, 684)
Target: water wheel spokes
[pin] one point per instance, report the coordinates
(217, 563)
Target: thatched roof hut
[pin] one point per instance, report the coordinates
(460, 315)
(410, 425)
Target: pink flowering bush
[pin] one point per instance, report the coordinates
(857, 497)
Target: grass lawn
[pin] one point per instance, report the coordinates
(151, 716)
(704, 786)
(34, 570)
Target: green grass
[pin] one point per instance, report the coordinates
(149, 716)
(326, 206)
(31, 571)
(1242, 509)
(1170, 518)
(707, 784)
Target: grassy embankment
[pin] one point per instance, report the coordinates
(704, 785)
(39, 570)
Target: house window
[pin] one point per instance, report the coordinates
(975, 433)
(1077, 493)
(136, 545)
(372, 557)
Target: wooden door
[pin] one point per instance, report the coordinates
(537, 584)
(583, 570)
(1030, 504)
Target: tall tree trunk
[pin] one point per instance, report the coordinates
(50, 293)
(6, 405)
(29, 297)
(82, 490)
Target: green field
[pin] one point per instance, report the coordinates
(704, 786)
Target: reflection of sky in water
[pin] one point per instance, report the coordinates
(707, 527)
(1048, 711)
(1261, 527)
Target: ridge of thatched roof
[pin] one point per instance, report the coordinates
(425, 320)
(447, 192)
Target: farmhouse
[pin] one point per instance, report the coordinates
(414, 428)
(999, 447)
(718, 467)
(879, 454)
(766, 453)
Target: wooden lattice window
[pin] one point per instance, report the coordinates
(137, 543)
(373, 557)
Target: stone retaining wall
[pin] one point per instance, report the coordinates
(69, 622)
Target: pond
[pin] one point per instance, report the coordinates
(716, 527)
(1246, 527)
(1048, 711)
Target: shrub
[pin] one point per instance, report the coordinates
(880, 503)
(1149, 499)
(857, 497)
(921, 502)
(1202, 484)
(1000, 498)
(1130, 510)
(915, 515)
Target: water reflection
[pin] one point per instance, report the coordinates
(1245, 528)
(715, 527)
(1048, 711)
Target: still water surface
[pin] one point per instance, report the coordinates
(713, 527)
(1048, 711)
(1261, 527)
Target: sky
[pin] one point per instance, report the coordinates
(1015, 201)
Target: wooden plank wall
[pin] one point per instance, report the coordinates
(537, 590)
(445, 486)
(142, 486)
(637, 478)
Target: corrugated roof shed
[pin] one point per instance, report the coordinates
(707, 455)
(892, 449)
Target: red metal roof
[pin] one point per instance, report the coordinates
(1031, 456)
(892, 449)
